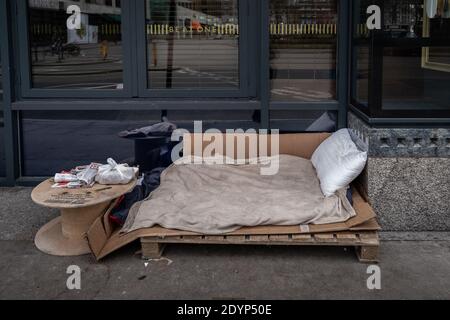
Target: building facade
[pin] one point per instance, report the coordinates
(277, 64)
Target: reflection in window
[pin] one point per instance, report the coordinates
(417, 77)
(360, 53)
(192, 44)
(303, 50)
(407, 84)
(89, 57)
(304, 121)
(57, 140)
(361, 89)
(415, 18)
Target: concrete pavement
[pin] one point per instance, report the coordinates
(409, 269)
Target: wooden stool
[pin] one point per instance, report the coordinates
(65, 235)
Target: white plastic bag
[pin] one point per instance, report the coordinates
(113, 173)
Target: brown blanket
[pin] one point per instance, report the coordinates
(217, 199)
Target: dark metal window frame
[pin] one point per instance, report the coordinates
(9, 116)
(257, 96)
(374, 112)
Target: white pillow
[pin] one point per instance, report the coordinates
(338, 161)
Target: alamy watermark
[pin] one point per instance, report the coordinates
(235, 147)
(374, 20)
(74, 20)
(73, 282)
(374, 280)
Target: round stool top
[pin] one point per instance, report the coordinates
(63, 198)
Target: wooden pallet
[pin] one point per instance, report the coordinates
(366, 243)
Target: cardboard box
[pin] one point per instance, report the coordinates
(104, 239)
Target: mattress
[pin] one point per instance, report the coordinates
(219, 198)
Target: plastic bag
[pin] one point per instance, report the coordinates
(113, 173)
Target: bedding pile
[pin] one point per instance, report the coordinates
(217, 199)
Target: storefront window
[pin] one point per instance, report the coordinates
(57, 140)
(303, 44)
(402, 70)
(361, 92)
(417, 77)
(192, 44)
(304, 120)
(408, 84)
(88, 57)
(360, 53)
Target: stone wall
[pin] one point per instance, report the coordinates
(407, 177)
